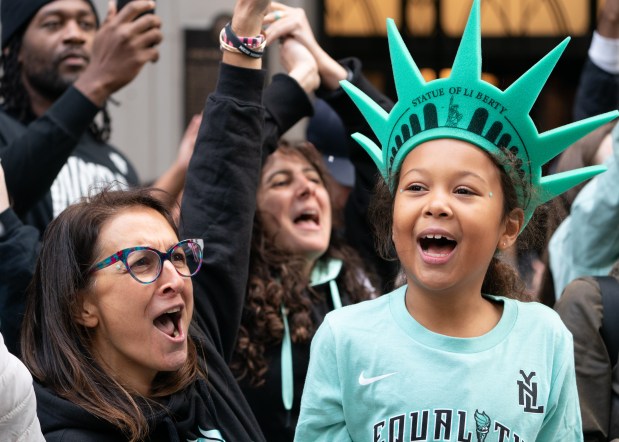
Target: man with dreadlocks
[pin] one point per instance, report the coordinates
(59, 68)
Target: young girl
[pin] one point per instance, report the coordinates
(451, 355)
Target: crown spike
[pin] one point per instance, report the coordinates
(465, 107)
(467, 64)
(407, 76)
(375, 115)
(524, 92)
(373, 151)
(555, 141)
(556, 184)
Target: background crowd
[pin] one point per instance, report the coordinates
(187, 309)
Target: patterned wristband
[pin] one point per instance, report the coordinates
(250, 46)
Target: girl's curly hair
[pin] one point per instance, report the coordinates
(501, 278)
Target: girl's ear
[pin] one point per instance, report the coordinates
(511, 229)
(87, 315)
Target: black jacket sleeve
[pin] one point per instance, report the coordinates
(286, 103)
(598, 92)
(33, 157)
(220, 200)
(359, 232)
(19, 247)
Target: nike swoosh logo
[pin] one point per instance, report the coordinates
(367, 381)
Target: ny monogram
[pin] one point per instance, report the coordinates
(527, 394)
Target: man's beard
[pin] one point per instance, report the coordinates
(47, 80)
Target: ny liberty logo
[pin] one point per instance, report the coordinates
(527, 394)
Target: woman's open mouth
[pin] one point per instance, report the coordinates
(169, 323)
(308, 218)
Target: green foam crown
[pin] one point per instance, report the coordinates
(465, 107)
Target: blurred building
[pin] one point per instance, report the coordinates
(516, 34)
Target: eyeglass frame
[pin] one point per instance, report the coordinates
(122, 255)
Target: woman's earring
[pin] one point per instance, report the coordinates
(117, 266)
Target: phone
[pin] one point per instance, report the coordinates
(122, 3)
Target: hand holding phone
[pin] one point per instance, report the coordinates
(122, 3)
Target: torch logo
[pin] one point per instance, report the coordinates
(482, 422)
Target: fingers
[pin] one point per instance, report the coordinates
(147, 36)
(280, 24)
(111, 11)
(284, 21)
(134, 9)
(142, 29)
(273, 16)
(277, 6)
(145, 23)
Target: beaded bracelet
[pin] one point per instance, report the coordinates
(250, 46)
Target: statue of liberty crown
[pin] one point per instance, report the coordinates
(465, 107)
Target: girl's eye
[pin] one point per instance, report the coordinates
(279, 183)
(415, 188)
(464, 191)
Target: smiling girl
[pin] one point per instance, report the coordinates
(452, 355)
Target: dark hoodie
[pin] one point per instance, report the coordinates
(218, 206)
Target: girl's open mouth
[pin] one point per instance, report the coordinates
(437, 246)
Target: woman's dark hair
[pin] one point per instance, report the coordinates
(276, 278)
(15, 98)
(55, 347)
(501, 278)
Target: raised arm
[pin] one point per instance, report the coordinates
(287, 99)
(285, 21)
(173, 180)
(586, 243)
(598, 89)
(34, 155)
(220, 191)
(18, 250)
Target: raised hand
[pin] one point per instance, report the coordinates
(300, 64)
(608, 20)
(247, 20)
(286, 22)
(126, 41)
